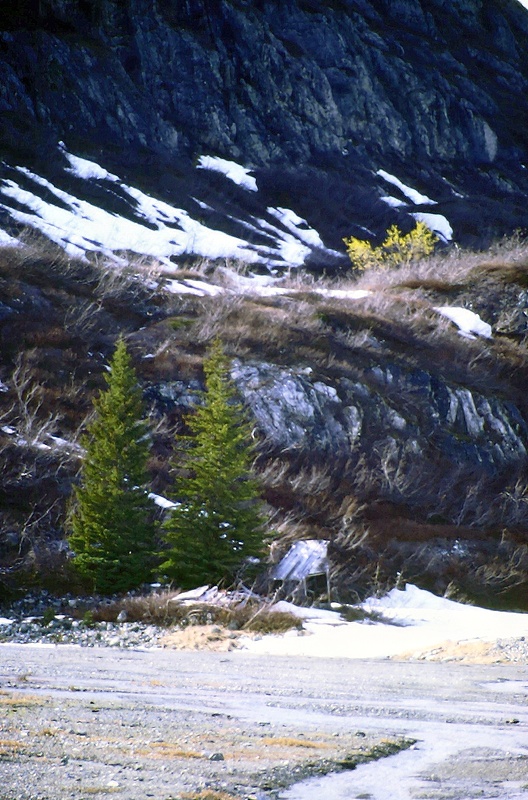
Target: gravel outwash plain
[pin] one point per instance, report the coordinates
(78, 723)
(134, 710)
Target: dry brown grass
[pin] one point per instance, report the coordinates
(15, 700)
(504, 272)
(167, 750)
(504, 576)
(37, 255)
(248, 327)
(289, 741)
(50, 732)
(165, 609)
(453, 267)
(398, 318)
(10, 746)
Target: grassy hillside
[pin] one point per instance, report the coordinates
(388, 511)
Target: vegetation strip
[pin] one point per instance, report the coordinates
(281, 777)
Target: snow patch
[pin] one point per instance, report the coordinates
(311, 614)
(412, 194)
(297, 225)
(206, 288)
(296, 242)
(418, 619)
(159, 230)
(162, 502)
(393, 202)
(293, 252)
(345, 294)
(436, 223)
(235, 172)
(181, 287)
(87, 170)
(195, 287)
(8, 241)
(469, 323)
(83, 227)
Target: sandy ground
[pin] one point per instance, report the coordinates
(213, 638)
(465, 652)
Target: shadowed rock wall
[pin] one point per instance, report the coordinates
(430, 89)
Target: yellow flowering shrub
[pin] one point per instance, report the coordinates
(397, 249)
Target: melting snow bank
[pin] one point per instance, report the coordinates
(415, 620)
(457, 761)
(411, 623)
(149, 226)
(480, 753)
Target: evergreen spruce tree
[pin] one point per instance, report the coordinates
(218, 523)
(112, 532)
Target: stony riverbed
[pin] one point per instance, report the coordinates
(152, 724)
(89, 722)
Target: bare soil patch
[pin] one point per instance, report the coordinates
(509, 651)
(203, 637)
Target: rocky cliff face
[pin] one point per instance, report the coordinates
(317, 96)
(395, 419)
(402, 468)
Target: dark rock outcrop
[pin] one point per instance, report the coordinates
(423, 478)
(390, 417)
(315, 96)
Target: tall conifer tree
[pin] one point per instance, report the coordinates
(112, 530)
(218, 523)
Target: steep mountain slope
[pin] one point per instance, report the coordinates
(381, 428)
(315, 97)
(200, 135)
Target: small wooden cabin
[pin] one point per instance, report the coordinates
(304, 572)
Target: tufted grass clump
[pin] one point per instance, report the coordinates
(165, 609)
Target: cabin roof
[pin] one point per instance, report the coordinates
(304, 558)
